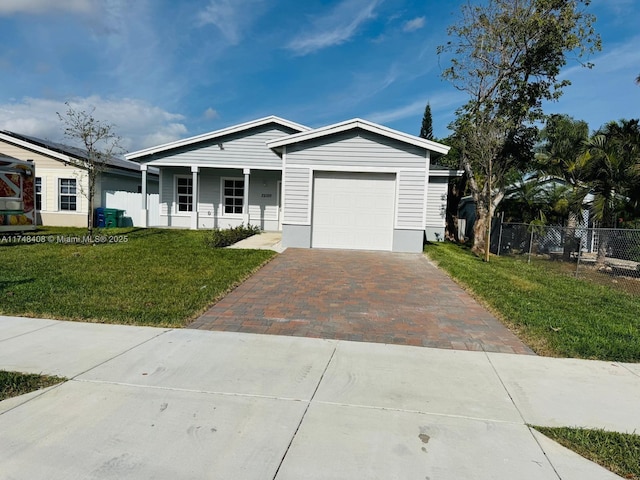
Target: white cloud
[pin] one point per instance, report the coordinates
(9, 7)
(440, 101)
(210, 114)
(415, 24)
(336, 27)
(138, 123)
(616, 6)
(622, 57)
(231, 17)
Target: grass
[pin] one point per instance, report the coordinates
(157, 277)
(13, 384)
(618, 452)
(554, 313)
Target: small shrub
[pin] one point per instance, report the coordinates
(223, 238)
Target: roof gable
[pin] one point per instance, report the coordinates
(208, 137)
(358, 123)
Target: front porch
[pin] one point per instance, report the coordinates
(198, 197)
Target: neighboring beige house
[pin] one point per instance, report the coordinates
(61, 187)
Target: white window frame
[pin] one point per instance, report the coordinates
(176, 195)
(223, 197)
(60, 194)
(43, 196)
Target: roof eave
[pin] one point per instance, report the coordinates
(215, 134)
(365, 125)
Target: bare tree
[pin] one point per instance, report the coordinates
(99, 144)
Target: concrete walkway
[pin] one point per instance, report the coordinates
(380, 297)
(167, 404)
(263, 241)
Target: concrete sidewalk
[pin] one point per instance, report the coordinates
(160, 403)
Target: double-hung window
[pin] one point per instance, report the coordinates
(38, 193)
(184, 190)
(233, 196)
(68, 194)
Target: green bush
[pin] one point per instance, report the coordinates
(223, 238)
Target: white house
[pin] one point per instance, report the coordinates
(61, 185)
(354, 184)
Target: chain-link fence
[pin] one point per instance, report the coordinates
(608, 256)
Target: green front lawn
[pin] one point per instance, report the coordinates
(13, 384)
(554, 313)
(618, 452)
(157, 277)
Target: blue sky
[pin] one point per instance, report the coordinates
(161, 70)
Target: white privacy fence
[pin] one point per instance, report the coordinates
(131, 203)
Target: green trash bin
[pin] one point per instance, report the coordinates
(120, 218)
(111, 217)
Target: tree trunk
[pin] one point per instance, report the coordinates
(480, 228)
(571, 243)
(90, 217)
(603, 245)
(454, 194)
(91, 191)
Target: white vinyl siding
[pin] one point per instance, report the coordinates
(248, 149)
(411, 197)
(168, 189)
(297, 196)
(437, 201)
(360, 150)
(263, 196)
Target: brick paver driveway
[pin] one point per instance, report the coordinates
(363, 296)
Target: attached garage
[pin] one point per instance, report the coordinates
(353, 210)
(356, 185)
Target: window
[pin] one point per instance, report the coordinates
(233, 195)
(184, 189)
(68, 194)
(38, 193)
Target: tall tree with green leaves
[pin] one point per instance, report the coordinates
(507, 56)
(426, 130)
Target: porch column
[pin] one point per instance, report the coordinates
(144, 214)
(194, 197)
(245, 198)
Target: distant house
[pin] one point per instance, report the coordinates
(354, 184)
(60, 183)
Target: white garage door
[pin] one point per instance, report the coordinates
(353, 210)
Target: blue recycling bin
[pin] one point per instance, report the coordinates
(99, 218)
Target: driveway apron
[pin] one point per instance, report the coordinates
(364, 296)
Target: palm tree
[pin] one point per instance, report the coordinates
(611, 161)
(523, 200)
(559, 156)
